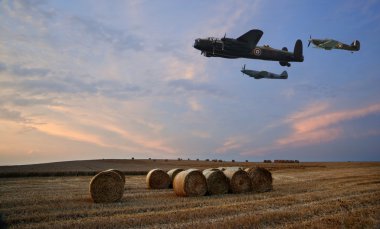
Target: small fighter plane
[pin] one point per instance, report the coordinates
(329, 44)
(264, 74)
(245, 46)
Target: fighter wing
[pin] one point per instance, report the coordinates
(329, 44)
(252, 37)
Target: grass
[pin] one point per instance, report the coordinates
(327, 195)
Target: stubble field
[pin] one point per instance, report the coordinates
(319, 195)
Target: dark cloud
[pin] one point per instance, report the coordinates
(316, 91)
(49, 84)
(121, 40)
(23, 99)
(11, 115)
(3, 67)
(19, 70)
(22, 71)
(191, 86)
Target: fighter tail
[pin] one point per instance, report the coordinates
(284, 75)
(356, 45)
(298, 51)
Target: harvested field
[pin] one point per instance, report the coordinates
(332, 195)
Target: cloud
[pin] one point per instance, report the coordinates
(310, 110)
(201, 134)
(11, 115)
(311, 137)
(191, 86)
(316, 125)
(234, 143)
(3, 67)
(195, 105)
(106, 128)
(121, 40)
(23, 71)
(312, 91)
(325, 120)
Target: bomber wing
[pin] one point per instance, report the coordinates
(252, 37)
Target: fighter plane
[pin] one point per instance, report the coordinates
(264, 74)
(329, 44)
(245, 46)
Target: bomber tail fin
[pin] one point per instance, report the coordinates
(356, 45)
(298, 51)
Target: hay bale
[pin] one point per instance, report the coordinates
(217, 182)
(261, 179)
(190, 183)
(239, 181)
(157, 179)
(121, 174)
(172, 173)
(106, 187)
(233, 168)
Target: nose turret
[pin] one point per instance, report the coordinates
(197, 44)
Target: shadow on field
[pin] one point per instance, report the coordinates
(2, 223)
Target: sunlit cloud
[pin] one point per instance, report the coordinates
(201, 134)
(232, 144)
(310, 110)
(195, 105)
(316, 125)
(326, 120)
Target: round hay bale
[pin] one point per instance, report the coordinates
(106, 187)
(172, 173)
(233, 168)
(190, 183)
(211, 169)
(261, 179)
(217, 182)
(121, 174)
(157, 179)
(239, 181)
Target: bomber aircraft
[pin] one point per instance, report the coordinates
(329, 44)
(245, 46)
(264, 74)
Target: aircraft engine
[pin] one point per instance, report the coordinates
(284, 63)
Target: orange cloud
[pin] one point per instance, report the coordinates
(310, 129)
(63, 131)
(77, 129)
(312, 137)
(231, 143)
(314, 125)
(325, 120)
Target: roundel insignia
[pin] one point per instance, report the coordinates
(257, 52)
(340, 45)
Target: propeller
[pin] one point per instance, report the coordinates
(242, 69)
(309, 42)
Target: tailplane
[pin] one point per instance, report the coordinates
(298, 51)
(284, 75)
(356, 45)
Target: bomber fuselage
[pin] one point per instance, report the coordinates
(232, 48)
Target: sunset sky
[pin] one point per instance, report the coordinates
(120, 79)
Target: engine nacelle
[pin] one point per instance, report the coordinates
(284, 63)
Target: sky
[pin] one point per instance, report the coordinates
(119, 79)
